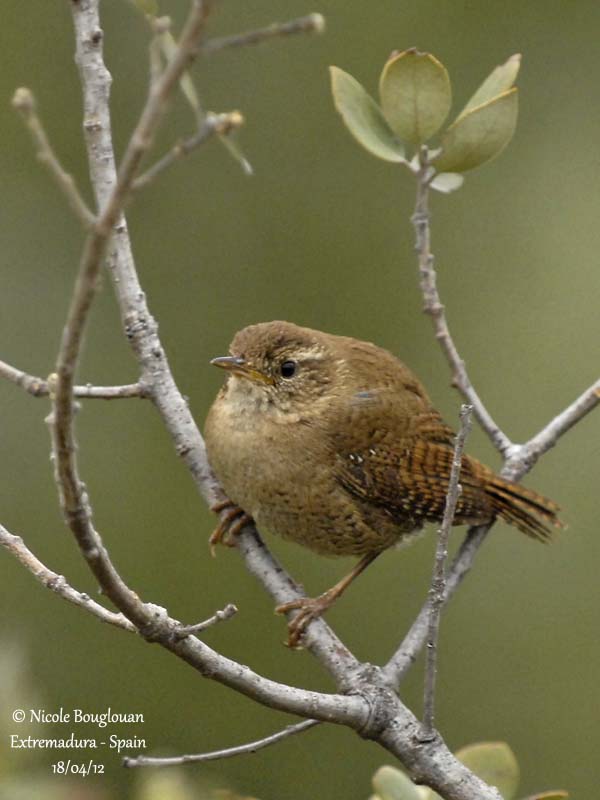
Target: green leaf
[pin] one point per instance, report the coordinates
(494, 763)
(447, 182)
(363, 117)
(392, 784)
(479, 135)
(497, 82)
(169, 48)
(415, 95)
(556, 794)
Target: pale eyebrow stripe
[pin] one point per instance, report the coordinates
(309, 355)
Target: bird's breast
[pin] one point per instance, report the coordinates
(255, 450)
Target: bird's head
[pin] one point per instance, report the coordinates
(279, 365)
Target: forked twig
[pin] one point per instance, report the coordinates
(522, 457)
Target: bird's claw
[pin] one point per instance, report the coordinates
(309, 608)
(230, 524)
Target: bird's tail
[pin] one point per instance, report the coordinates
(528, 511)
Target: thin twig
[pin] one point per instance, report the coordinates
(437, 590)
(221, 124)
(220, 616)
(57, 583)
(523, 457)
(24, 101)
(38, 387)
(415, 639)
(230, 752)
(432, 305)
(312, 23)
(160, 27)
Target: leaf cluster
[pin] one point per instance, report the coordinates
(415, 99)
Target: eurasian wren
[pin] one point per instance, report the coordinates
(333, 443)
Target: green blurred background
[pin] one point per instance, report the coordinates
(321, 236)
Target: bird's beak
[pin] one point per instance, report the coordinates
(238, 366)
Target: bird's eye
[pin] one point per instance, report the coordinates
(288, 369)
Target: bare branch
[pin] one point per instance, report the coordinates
(221, 124)
(41, 388)
(230, 752)
(313, 23)
(57, 583)
(204, 659)
(24, 101)
(431, 763)
(396, 728)
(337, 708)
(433, 306)
(35, 386)
(522, 457)
(220, 616)
(161, 628)
(111, 392)
(437, 590)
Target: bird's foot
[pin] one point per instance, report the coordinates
(229, 526)
(309, 608)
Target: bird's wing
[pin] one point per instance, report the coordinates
(399, 459)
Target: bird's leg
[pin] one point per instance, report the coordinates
(230, 524)
(312, 607)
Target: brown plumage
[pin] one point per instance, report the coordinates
(334, 443)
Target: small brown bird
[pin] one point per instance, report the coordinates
(333, 443)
